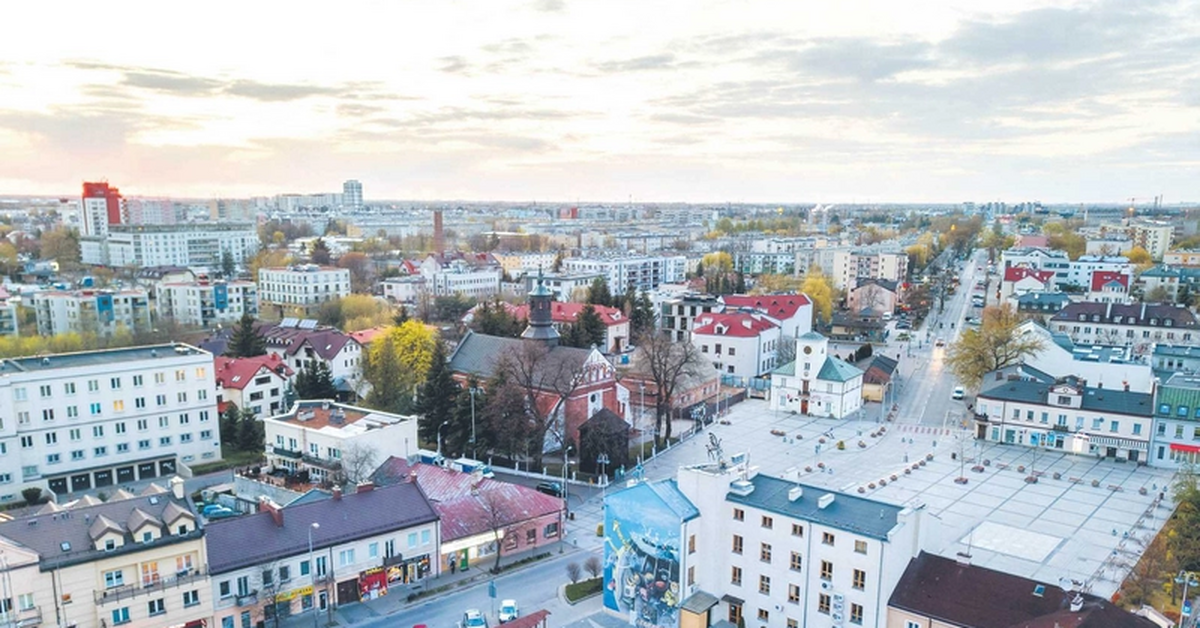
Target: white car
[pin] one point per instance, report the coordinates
(474, 619)
(958, 393)
(508, 611)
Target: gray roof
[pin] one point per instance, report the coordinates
(46, 534)
(851, 513)
(96, 358)
(478, 354)
(812, 335)
(255, 539)
(786, 369)
(1103, 400)
(667, 491)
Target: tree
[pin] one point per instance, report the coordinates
(382, 370)
(641, 315)
(819, 289)
(401, 316)
(593, 566)
(1185, 540)
(574, 572)
(358, 461)
(31, 495)
(437, 396)
(719, 262)
(315, 381)
(61, 244)
(495, 514)
(319, 252)
(667, 364)
(495, 318)
(228, 264)
(541, 374)
(1072, 243)
(266, 258)
(245, 342)
(775, 284)
(229, 426)
(1139, 256)
(588, 330)
(995, 344)
(359, 266)
(250, 433)
(1158, 294)
(502, 417)
(598, 292)
(399, 370)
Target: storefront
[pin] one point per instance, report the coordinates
(404, 571)
(372, 584)
(284, 601)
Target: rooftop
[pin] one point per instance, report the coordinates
(740, 324)
(851, 513)
(780, 306)
(98, 358)
(1104, 400)
(322, 414)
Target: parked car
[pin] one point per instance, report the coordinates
(508, 611)
(474, 619)
(903, 325)
(940, 342)
(550, 488)
(958, 393)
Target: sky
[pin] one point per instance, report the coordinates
(563, 101)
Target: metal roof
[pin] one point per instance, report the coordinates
(858, 515)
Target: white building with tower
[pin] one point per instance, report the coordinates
(817, 383)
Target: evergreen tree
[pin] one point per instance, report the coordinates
(456, 437)
(320, 253)
(641, 315)
(229, 426)
(598, 293)
(436, 397)
(494, 319)
(401, 316)
(250, 433)
(315, 381)
(590, 328)
(228, 264)
(245, 343)
(740, 286)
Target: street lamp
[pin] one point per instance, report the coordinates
(473, 390)
(312, 570)
(1187, 579)
(603, 461)
(439, 439)
(566, 463)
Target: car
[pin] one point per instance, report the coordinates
(508, 611)
(887, 316)
(474, 619)
(958, 393)
(940, 342)
(903, 325)
(550, 488)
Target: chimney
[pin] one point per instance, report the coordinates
(439, 235)
(176, 485)
(337, 493)
(963, 559)
(795, 493)
(1108, 312)
(825, 500)
(365, 487)
(265, 503)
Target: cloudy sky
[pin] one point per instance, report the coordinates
(564, 100)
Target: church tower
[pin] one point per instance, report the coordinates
(541, 322)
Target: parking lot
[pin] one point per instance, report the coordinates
(1082, 520)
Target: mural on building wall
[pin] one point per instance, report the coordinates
(641, 558)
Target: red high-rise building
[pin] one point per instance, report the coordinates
(101, 208)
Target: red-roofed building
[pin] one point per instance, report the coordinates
(1109, 287)
(616, 338)
(1019, 280)
(473, 510)
(792, 312)
(740, 344)
(256, 384)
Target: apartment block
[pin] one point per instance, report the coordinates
(1136, 325)
(187, 244)
(77, 421)
(207, 303)
(1153, 235)
(677, 314)
(304, 286)
(631, 273)
(1176, 441)
(91, 311)
(324, 438)
(740, 344)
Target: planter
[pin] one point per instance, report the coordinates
(862, 444)
(862, 490)
(922, 463)
(821, 440)
(882, 482)
(929, 457)
(961, 480)
(987, 463)
(977, 468)
(1057, 475)
(915, 466)
(808, 469)
(1020, 468)
(908, 472)
(893, 477)
(1095, 483)
(871, 485)
(1142, 491)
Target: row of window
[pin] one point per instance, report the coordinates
(46, 391)
(75, 434)
(1098, 423)
(155, 607)
(825, 605)
(858, 580)
(95, 409)
(768, 522)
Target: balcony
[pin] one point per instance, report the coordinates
(130, 591)
(248, 599)
(332, 465)
(27, 617)
(286, 453)
(1061, 428)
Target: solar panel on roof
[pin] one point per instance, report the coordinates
(289, 322)
(307, 323)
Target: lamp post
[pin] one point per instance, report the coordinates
(566, 463)
(642, 411)
(312, 569)
(439, 439)
(473, 390)
(603, 461)
(1187, 579)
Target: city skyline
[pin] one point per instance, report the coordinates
(556, 101)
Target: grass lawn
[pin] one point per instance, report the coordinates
(584, 588)
(230, 459)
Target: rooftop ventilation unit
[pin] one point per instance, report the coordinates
(795, 493)
(825, 501)
(741, 487)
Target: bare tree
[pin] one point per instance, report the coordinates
(496, 517)
(592, 566)
(574, 572)
(358, 461)
(547, 378)
(668, 364)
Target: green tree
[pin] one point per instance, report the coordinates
(401, 316)
(588, 329)
(494, 318)
(437, 396)
(1184, 541)
(382, 370)
(61, 244)
(397, 363)
(457, 436)
(245, 342)
(319, 253)
(995, 344)
(229, 425)
(315, 381)
(503, 421)
(819, 290)
(641, 315)
(228, 264)
(598, 293)
(249, 433)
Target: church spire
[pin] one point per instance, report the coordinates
(541, 321)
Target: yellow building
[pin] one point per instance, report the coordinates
(135, 561)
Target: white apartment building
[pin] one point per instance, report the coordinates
(186, 244)
(1081, 270)
(9, 319)
(1066, 415)
(303, 286)
(757, 263)
(403, 289)
(1153, 235)
(1136, 325)
(517, 264)
(92, 311)
(352, 194)
(636, 273)
(1182, 258)
(362, 544)
(325, 438)
(564, 286)
(740, 344)
(78, 421)
(792, 312)
(846, 266)
(207, 303)
(1039, 259)
(781, 553)
(459, 278)
(257, 384)
(1107, 245)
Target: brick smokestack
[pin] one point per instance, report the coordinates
(265, 503)
(439, 234)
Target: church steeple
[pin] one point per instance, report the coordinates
(541, 321)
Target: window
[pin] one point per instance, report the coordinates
(160, 378)
(184, 419)
(180, 375)
(149, 573)
(860, 547)
(826, 538)
(346, 557)
(1114, 426)
(74, 434)
(764, 585)
(856, 613)
(19, 394)
(181, 396)
(268, 577)
(739, 514)
(25, 602)
(860, 579)
(731, 350)
(412, 540)
(826, 570)
(1137, 429)
(143, 444)
(165, 441)
(243, 586)
(823, 603)
(223, 589)
(305, 566)
(139, 403)
(794, 593)
(767, 522)
(228, 622)
(160, 400)
(373, 550)
(77, 454)
(143, 424)
(114, 578)
(911, 624)
(185, 438)
(1097, 424)
(156, 607)
(205, 434)
(23, 417)
(98, 431)
(94, 408)
(120, 616)
(138, 380)
(735, 613)
(764, 615)
(796, 562)
(792, 623)
(764, 553)
(116, 383)
(798, 530)
(72, 412)
(164, 422)
(45, 391)
(26, 442)
(53, 459)
(191, 598)
(735, 577)
(48, 414)
(737, 544)
(119, 427)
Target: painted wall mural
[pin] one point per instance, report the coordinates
(641, 558)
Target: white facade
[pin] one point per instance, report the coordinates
(201, 245)
(1154, 236)
(459, 278)
(565, 287)
(1057, 360)
(638, 273)
(92, 311)
(257, 385)
(1080, 272)
(9, 320)
(85, 420)
(517, 264)
(306, 285)
(352, 194)
(789, 568)
(1108, 245)
(741, 345)
(403, 289)
(817, 383)
(205, 303)
(95, 216)
(845, 266)
(320, 436)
